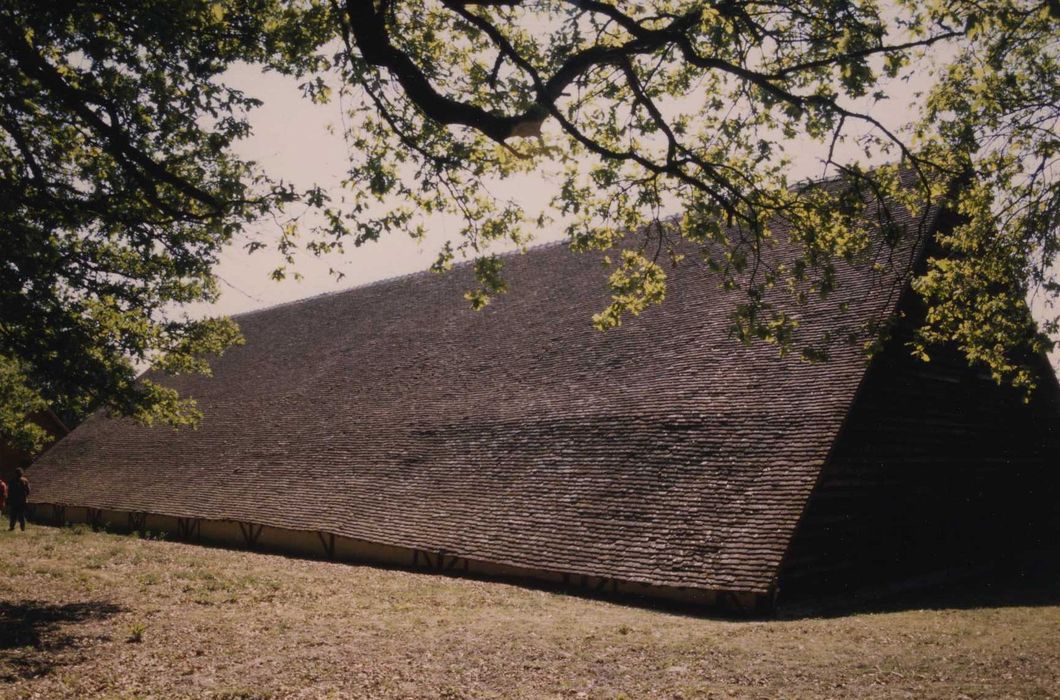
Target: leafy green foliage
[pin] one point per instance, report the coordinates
(636, 283)
(119, 184)
(118, 189)
(647, 107)
(995, 114)
(15, 391)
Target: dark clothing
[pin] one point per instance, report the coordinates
(16, 513)
(17, 495)
(18, 492)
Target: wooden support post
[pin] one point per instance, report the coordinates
(188, 528)
(137, 521)
(251, 533)
(59, 515)
(328, 541)
(95, 518)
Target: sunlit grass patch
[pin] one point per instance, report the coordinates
(103, 615)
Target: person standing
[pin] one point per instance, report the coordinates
(18, 494)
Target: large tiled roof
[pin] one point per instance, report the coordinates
(662, 452)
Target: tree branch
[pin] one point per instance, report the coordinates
(115, 139)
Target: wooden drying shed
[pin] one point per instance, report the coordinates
(390, 423)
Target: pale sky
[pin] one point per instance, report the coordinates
(302, 143)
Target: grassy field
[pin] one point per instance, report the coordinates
(100, 615)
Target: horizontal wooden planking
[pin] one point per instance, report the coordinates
(936, 467)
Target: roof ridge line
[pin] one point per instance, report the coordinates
(396, 278)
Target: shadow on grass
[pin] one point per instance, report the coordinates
(36, 637)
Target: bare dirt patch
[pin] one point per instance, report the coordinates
(101, 615)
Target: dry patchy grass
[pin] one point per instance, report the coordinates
(99, 615)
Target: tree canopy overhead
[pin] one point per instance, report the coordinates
(120, 183)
